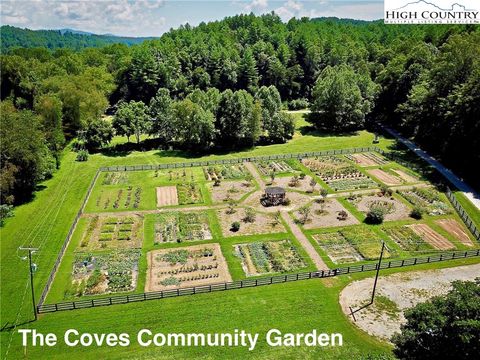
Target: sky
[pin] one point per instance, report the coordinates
(154, 17)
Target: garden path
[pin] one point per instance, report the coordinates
(250, 167)
(317, 260)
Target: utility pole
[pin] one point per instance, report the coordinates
(374, 284)
(33, 267)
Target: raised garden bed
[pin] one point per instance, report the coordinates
(181, 226)
(367, 159)
(189, 193)
(430, 201)
(407, 239)
(277, 166)
(226, 172)
(366, 243)
(110, 232)
(95, 274)
(269, 257)
(185, 267)
(431, 236)
(454, 228)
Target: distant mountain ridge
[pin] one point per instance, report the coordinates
(14, 37)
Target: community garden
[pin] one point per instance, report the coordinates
(168, 229)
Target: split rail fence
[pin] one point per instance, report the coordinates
(125, 299)
(121, 299)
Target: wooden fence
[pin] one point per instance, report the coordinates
(125, 299)
(463, 214)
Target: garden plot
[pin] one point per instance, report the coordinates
(338, 173)
(227, 172)
(167, 196)
(431, 236)
(186, 267)
(181, 226)
(297, 182)
(428, 200)
(454, 228)
(246, 221)
(113, 233)
(325, 213)
(337, 248)
(406, 177)
(407, 239)
(279, 167)
(367, 159)
(385, 177)
(230, 190)
(189, 193)
(393, 209)
(269, 257)
(115, 178)
(95, 274)
(118, 199)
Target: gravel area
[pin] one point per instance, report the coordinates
(404, 290)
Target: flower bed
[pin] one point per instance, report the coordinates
(189, 193)
(279, 167)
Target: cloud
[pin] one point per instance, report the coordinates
(256, 5)
(124, 17)
(289, 9)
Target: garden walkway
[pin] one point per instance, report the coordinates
(317, 260)
(250, 167)
(469, 192)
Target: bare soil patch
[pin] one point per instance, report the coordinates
(167, 196)
(263, 223)
(402, 291)
(186, 267)
(405, 177)
(386, 178)
(326, 215)
(296, 183)
(453, 227)
(229, 190)
(397, 211)
(368, 159)
(431, 236)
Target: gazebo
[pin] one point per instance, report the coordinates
(273, 196)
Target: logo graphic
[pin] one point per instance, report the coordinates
(431, 12)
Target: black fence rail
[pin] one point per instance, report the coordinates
(48, 284)
(463, 214)
(241, 160)
(125, 299)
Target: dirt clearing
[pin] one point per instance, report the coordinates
(431, 236)
(259, 223)
(405, 177)
(453, 227)
(395, 294)
(395, 210)
(368, 159)
(167, 196)
(386, 178)
(326, 214)
(230, 190)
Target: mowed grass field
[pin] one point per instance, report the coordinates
(294, 307)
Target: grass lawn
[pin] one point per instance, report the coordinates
(469, 207)
(295, 307)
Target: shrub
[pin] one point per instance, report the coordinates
(217, 182)
(342, 215)
(249, 215)
(302, 175)
(235, 226)
(298, 104)
(286, 202)
(375, 215)
(416, 213)
(82, 155)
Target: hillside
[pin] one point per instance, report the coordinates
(13, 37)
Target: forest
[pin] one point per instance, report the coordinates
(224, 86)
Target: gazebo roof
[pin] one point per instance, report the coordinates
(275, 190)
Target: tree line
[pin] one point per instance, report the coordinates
(222, 85)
